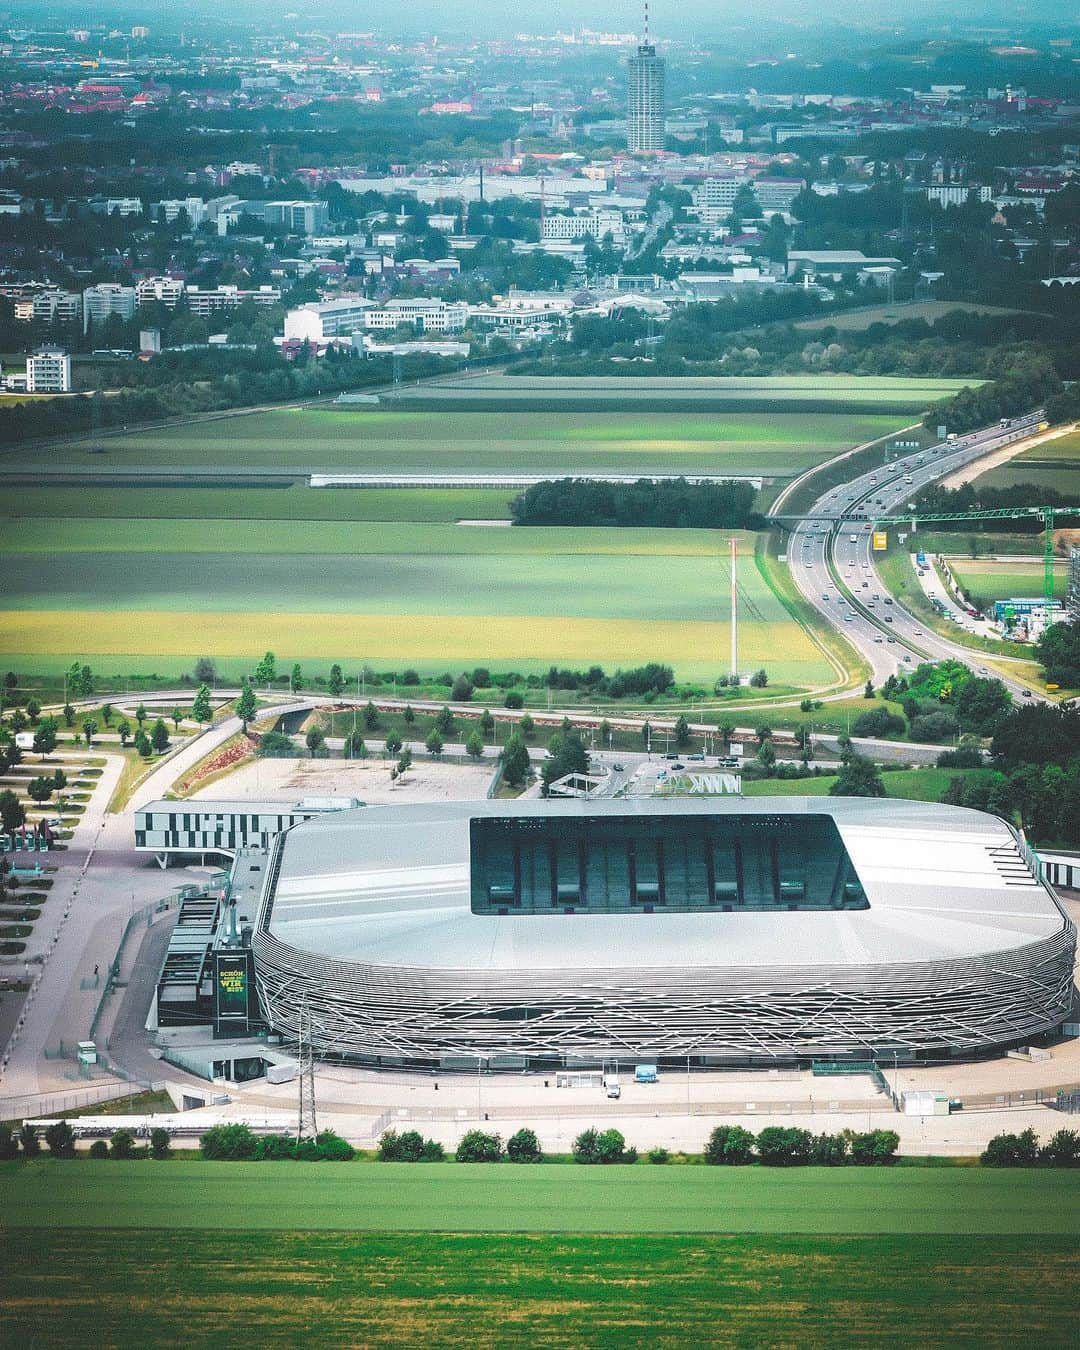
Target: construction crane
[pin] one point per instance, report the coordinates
(1048, 515)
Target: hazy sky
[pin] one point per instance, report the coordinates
(676, 18)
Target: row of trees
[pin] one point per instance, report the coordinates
(789, 1146)
(1024, 1150)
(1036, 775)
(1027, 383)
(672, 503)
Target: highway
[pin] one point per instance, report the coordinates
(831, 559)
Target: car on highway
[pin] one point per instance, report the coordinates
(1027, 693)
(888, 618)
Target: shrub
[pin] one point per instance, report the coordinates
(729, 1145)
(228, 1142)
(60, 1138)
(964, 757)
(1011, 1150)
(9, 1143)
(784, 1146)
(658, 1155)
(275, 1148)
(829, 1150)
(592, 1146)
(122, 1144)
(874, 1148)
(160, 1143)
(586, 1147)
(524, 1147)
(1063, 1150)
(31, 1144)
(461, 690)
(880, 723)
(478, 1147)
(332, 1148)
(407, 1147)
(513, 699)
(433, 1151)
(99, 1149)
(935, 726)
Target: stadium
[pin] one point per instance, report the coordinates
(544, 933)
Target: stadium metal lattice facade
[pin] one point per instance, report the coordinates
(395, 966)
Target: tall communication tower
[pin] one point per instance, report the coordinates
(306, 1127)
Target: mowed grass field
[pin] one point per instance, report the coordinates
(197, 1253)
(1054, 464)
(990, 580)
(433, 596)
(553, 1198)
(920, 785)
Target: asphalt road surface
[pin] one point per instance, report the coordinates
(833, 542)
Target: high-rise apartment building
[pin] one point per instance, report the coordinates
(48, 371)
(645, 97)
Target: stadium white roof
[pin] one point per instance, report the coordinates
(390, 886)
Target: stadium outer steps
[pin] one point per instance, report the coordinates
(367, 921)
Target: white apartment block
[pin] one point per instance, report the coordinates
(127, 206)
(298, 217)
(48, 371)
(108, 298)
(714, 199)
(593, 224)
(166, 291)
(204, 303)
(433, 316)
(341, 317)
(194, 206)
(957, 194)
(56, 307)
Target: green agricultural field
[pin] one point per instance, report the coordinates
(658, 394)
(144, 1287)
(621, 439)
(1052, 464)
(436, 597)
(988, 580)
(293, 502)
(555, 1198)
(193, 1253)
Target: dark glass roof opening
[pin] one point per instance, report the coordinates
(659, 864)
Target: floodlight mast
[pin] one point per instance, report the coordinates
(734, 613)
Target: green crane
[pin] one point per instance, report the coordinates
(1048, 514)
